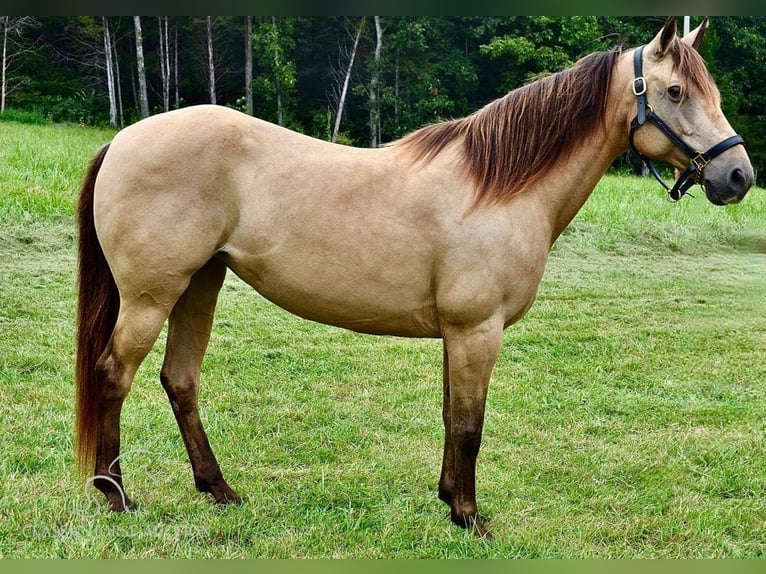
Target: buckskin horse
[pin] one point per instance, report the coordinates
(444, 233)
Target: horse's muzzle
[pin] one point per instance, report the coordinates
(729, 187)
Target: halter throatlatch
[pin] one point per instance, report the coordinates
(697, 160)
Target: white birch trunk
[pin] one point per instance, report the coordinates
(346, 81)
(117, 82)
(375, 86)
(249, 64)
(210, 60)
(164, 62)
(143, 98)
(110, 74)
(175, 68)
(167, 66)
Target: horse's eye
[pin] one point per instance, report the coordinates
(674, 93)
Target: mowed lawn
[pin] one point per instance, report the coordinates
(625, 417)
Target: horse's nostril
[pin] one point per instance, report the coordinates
(739, 180)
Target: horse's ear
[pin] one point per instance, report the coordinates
(694, 38)
(659, 45)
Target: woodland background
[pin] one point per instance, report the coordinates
(357, 80)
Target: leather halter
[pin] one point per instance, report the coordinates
(697, 159)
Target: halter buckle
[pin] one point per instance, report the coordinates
(700, 162)
(639, 86)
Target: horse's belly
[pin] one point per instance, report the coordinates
(390, 302)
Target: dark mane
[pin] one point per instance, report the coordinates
(511, 142)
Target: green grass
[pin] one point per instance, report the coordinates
(625, 416)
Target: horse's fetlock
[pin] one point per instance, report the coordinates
(464, 514)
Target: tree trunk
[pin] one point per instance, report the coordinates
(278, 73)
(175, 68)
(161, 57)
(164, 62)
(11, 26)
(346, 80)
(133, 86)
(396, 96)
(167, 66)
(3, 82)
(249, 64)
(210, 61)
(110, 74)
(375, 86)
(117, 82)
(143, 99)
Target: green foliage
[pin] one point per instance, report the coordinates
(427, 76)
(432, 68)
(274, 89)
(538, 45)
(739, 66)
(23, 117)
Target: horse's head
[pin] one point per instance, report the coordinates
(679, 118)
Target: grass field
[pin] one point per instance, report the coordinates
(625, 417)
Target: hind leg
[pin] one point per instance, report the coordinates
(138, 326)
(188, 336)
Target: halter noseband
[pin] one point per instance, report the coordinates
(697, 159)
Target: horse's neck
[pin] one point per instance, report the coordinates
(563, 191)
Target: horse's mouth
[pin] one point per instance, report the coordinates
(722, 198)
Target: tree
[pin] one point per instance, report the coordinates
(415, 70)
(110, 81)
(176, 87)
(117, 82)
(729, 43)
(273, 42)
(346, 80)
(532, 46)
(375, 86)
(210, 59)
(143, 98)
(164, 57)
(82, 44)
(434, 73)
(249, 64)
(12, 28)
(277, 68)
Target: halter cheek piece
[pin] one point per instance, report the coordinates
(697, 159)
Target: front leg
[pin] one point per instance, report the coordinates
(447, 478)
(470, 355)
